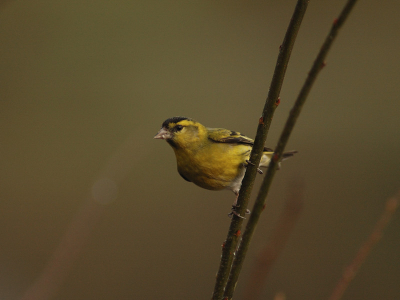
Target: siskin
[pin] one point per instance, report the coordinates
(212, 158)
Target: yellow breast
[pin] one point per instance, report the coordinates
(213, 166)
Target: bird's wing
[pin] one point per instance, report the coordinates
(221, 135)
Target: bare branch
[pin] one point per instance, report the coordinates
(291, 121)
(255, 157)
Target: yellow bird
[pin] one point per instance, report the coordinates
(212, 158)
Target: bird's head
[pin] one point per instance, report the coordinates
(180, 132)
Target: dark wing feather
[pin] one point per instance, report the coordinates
(221, 135)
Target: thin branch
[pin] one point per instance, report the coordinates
(277, 241)
(291, 121)
(264, 123)
(351, 270)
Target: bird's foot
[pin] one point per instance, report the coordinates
(234, 212)
(249, 162)
(258, 169)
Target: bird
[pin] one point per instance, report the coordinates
(211, 158)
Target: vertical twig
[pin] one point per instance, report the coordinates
(264, 123)
(351, 270)
(291, 121)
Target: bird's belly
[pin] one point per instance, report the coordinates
(212, 172)
(209, 176)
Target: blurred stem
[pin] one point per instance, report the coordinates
(104, 191)
(264, 123)
(375, 236)
(291, 121)
(276, 242)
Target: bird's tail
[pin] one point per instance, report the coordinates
(288, 154)
(267, 157)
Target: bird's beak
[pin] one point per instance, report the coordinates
(163, 134)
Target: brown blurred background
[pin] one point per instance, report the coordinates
(81, 80)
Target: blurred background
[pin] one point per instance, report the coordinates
(85, 85)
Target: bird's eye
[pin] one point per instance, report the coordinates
(178, 127)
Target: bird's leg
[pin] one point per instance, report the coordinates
(233, 212)
(234, 207)
(250, 163)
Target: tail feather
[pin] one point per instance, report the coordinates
(288, 154)
(267, 156)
